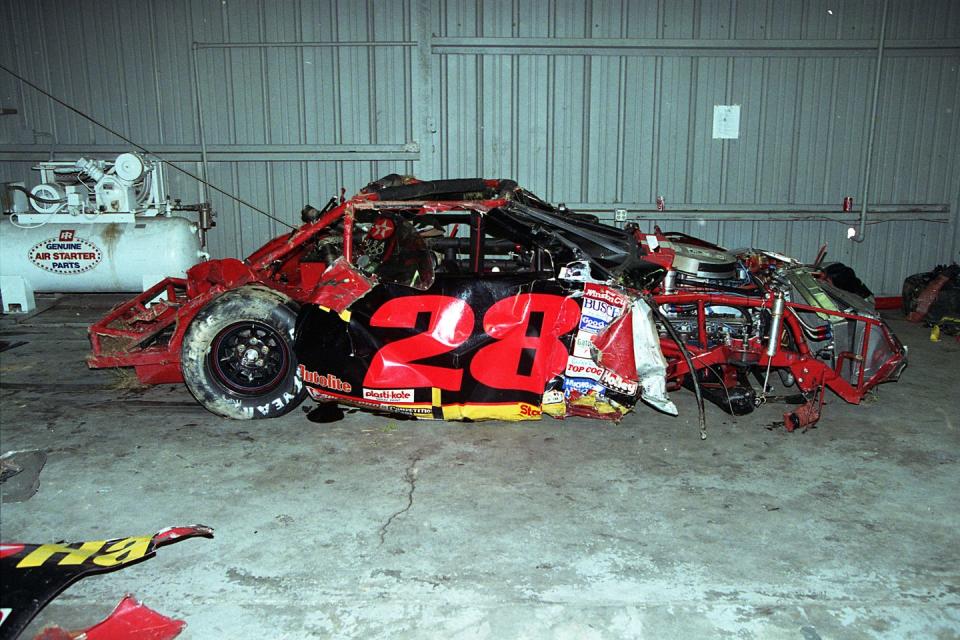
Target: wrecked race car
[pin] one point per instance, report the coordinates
(497, 323)
(472, 299)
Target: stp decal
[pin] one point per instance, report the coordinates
(57, 255)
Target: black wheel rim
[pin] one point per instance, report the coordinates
(249, 358)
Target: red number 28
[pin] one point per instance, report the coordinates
(525, 353)
(450, 324)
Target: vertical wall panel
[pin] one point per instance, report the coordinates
(639, 105)
(533, 140)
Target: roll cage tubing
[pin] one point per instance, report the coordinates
(809, 371)
(281, 247)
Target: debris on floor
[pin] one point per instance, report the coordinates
(932, 296)
(7, 346)
(20, 474)
(130, 620)
(34, 574)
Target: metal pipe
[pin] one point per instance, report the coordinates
(304, 45)
(229, 152)
(867, 161)
(685, 46)
(204, 168)
(348, 233)
(776, 311)
(670, 281)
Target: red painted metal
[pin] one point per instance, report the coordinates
(147, 332)
(804, 416)
(130, 620)
(149, 336)
(888, 303)
(809, 371)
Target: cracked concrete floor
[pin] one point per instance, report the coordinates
(371, 527)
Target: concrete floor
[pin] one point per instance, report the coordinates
(372, 527)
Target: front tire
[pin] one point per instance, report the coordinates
(237, 356)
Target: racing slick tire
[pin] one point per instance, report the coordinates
(237, 357)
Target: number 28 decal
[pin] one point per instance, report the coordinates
(525, 352)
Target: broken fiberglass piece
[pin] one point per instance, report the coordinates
(340, 286)
(20, 475)
(130, 620)
(34, 574)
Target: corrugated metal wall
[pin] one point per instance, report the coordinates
(602, 104)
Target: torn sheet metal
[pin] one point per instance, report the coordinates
(630, 347)
(34, 574)
(130, 620)
(340, 286)
(504, 347)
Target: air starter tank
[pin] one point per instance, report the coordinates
(88, 244)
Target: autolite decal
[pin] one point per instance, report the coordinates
(67, 257)
(328, 381)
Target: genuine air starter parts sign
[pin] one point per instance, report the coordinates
(58, 255)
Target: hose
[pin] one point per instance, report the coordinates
(686, 357)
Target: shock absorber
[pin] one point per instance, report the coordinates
(776, 324)
(773, 344)
(670, 282)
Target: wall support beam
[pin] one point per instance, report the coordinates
(689, 47)
(223, 152)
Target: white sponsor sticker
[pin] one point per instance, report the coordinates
(65, 256)
(582, 344)
(554, 396)
(584, 368)
(600, 309)
(398, 396)
(599, 292)
(616, 382)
